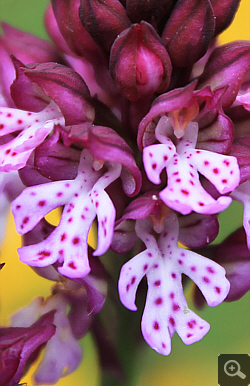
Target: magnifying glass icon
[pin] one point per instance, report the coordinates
(232, 368)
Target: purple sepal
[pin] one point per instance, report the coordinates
(147, 204)
(197, 230)
(234, 255)
(66, 88)
(242, 194)
(26, 95)
(30, 175)
(124, 237)
(56, 161)
(241, 150)
(216, 136)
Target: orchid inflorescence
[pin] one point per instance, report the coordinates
(136, 120)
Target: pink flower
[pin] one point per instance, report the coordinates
(83, 198)
(184, 191)
(163, 263)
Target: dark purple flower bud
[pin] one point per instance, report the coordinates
(224, 12)
(189, 31)
(104, 20)
(139, 62)
(19, 345)
(26, 94)
(224, 62)
(66, 88)
(76, 36)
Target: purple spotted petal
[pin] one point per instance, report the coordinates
(33, 129)
(208, 276)
(67, 244)
(242, 194)
(184, 191)
(166, 309)
(156, 158)
(222, 171)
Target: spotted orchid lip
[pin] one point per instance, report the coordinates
(184, 192)
(166, 309)
(83, 199)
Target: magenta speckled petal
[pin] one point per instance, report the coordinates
(67, 244)
(33, 128)
(163, 263)
(184, 192)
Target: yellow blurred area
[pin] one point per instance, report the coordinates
(187, 365)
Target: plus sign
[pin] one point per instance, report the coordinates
(231, 368)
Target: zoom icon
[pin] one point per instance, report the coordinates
(234, 370)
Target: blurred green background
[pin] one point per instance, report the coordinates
(193, 365)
